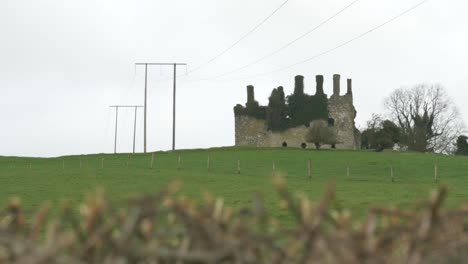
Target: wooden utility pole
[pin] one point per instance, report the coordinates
(144, 105)
(174, 64)
(134, 126)
(116, 122)
(115, 133)
(174, 107)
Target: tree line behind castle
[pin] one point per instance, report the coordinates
(418, 118)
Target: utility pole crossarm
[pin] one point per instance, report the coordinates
(160, 63)
(132, 106)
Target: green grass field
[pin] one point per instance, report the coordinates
(36, 180)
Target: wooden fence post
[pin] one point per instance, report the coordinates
(178, 163)
(208, 165)
(273, 168)
(309, 168)
(152, 160)
(238, 167)
(347, 170)
(391, 172)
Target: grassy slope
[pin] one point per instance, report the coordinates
(369, 183)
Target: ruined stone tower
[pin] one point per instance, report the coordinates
(342, 110)
(252, 126)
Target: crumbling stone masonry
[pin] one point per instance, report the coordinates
(252, 128)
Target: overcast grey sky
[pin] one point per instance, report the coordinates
(63, 62)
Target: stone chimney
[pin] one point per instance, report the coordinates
(319, 81)
(350, 87)
(299, 85)
(336, 84)
(250, 94)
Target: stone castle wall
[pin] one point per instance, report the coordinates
(251, 131)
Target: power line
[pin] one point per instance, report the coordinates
(241, 39)
(336, 47)
(291, 42)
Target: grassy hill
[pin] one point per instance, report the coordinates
(53, 179)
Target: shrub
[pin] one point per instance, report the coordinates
(163, 228)
(320, 133)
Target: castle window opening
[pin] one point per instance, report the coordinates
(285, 144)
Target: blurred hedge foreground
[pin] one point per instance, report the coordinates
(165, 228)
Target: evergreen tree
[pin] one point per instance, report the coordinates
(380, 134)
(277, 111)
(462, 145)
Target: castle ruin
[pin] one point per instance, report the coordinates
(286, 120)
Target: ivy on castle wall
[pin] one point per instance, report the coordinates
(304, 108)
(277, 111)
(251, 110)
(287, 112)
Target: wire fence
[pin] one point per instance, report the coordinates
(308, 167)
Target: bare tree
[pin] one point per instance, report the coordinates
(375, 121)
(429, 120)
(368, 134)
